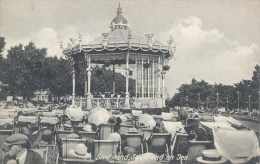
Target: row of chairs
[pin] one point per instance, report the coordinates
(158, 144)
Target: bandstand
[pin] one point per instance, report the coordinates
(143, 57)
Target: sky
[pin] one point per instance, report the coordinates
(216, 40)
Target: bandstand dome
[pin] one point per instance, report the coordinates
(119, 19)
(147, 57)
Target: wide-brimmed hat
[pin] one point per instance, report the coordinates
(17, 139)
(87, 128)
(80, 151)
(114, 137)
(211, 156)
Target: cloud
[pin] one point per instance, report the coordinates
(50, 38)
(208, 55)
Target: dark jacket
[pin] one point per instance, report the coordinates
(31, 158)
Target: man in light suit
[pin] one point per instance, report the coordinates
(19, 151)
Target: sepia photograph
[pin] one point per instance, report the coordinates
(129, 81)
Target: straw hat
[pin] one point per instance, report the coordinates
(211, 156)
(17, 139)
(87, 128)
(114, 137)
(80, 151)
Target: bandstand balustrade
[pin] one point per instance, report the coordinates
(119, 103)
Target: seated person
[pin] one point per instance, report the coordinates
(118, 124)
(192, 136)
(19, 151)
(200, 133)
(159, 128)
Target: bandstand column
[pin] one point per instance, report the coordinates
(163, 97)
(86, 77)
(153, 79)
(89, 104)
(136, 81)
(159, 78)
(127, 97)
(73, 83)
(142, 76)
(148, 79)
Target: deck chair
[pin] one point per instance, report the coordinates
(180, 146)
(50, 122)
(195, 150)
(157, 118)
(24, 121)
(105, 148)
(35, 139)
(134, 140)
(3, 135)
(62, 134)
(87, 135)
(105, 130)
(193, 121)
(124, 128)
(78, 128)
(49, 114)
(137, 113)
(140, 127)
(147, 133)
(129, 122)
(76, 161)
(69, 143)
(43, 153)
(159, 143)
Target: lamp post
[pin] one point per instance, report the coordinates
(217, 99)
(227, 102)
(259, 100)
(238, 99)
(249, 102)
(207, 104)
(198, 101)
(187, 99)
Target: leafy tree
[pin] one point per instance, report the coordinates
(24, 72)
(58, 76)
(209, 94)
(2, 61)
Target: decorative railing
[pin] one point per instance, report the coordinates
(119, 103)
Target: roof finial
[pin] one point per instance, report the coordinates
(119, 9)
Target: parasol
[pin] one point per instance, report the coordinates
(98, 116)
(147, 120)
(74, 113)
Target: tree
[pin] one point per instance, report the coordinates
(2, 61)
(24, 72)
(59, 77)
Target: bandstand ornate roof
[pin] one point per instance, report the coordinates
(121, 39)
